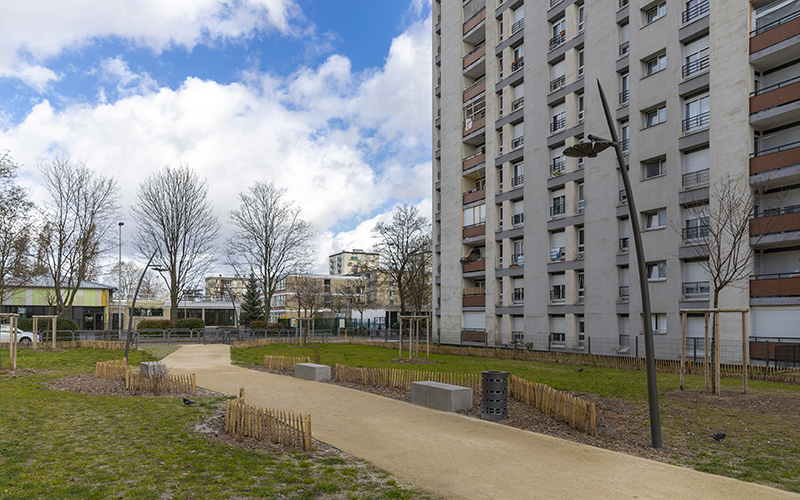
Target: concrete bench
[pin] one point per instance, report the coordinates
(312, 371)
(441, 396)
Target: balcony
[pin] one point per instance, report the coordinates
(474, 230)
(518, 220)
(519, 63)
(775, 285)
(517, 181)
(474, 55)
(473, 265)
(775, 32)
(473, 21)
(474, 90)
(693, 233)
(558, 294)
(696, 122)
(558, 210)
(624, 48)
(558, 40)
(473, 335)
(558, 83)
(518, 296)
(697, 65)
(517, 259)
(558, 254)
(777, 220)
(517, 143)
(624, 96)
(475, 123)
(553, 3)
(474, 160)
(694, 180)
(518, 104)
(558, 123)
(775, 95)
(775, 158)
(473, 297)
(473, 196)
(695, 290)
(624, 293)
(517, 26)
(697, 10)
(624, 244)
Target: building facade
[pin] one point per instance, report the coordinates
(533, 246)
(354, 262)
(89, 309)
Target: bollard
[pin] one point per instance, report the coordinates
(494, 391)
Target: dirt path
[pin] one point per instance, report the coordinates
(453, 456)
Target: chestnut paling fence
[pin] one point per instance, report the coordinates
(279, 426)
(283, 362)
(137, 381)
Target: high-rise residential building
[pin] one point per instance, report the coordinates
(357, 261)
(535, 247)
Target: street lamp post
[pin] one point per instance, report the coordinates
(119, 284)
(590, 149)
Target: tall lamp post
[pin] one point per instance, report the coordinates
(590, 149)
(119, 284)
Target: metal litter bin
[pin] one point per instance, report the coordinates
(494, 391)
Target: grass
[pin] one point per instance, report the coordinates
(57, 444)
(764, 439)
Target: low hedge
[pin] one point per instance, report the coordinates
(275, 326)
(155, 324)
(45, 324)
(258, 325)
(191, 323)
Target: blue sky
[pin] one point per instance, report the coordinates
(329, 99)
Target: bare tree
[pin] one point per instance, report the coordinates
(131, 272)
(15, 218)
(270, 236)
(175, 220)
(306, 295)
(404, 246)
(75, 223)
(355, 293)
(420, 287)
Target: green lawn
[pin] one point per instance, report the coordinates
(56, 444)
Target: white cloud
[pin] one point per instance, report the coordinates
(317, 132)
(32, 31)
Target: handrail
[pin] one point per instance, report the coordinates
(776, 149)
(784, 83)
(774, 276)
(772, 212)
(477, 82)
(624, 48)
(473, 16)
(477, 48)
(517, 26)
(696, 66)
(695, 11)
(696, 121)
(774, 24)
(695, 179)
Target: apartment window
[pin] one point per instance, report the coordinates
(624, 39)
(500, 105)
(581, 19)
(581, 242)
(655, 64)
(695, 168)
(558, 33)
(519, 20)
(500, 31)
(519, 97)
(517, 258)
(655, 116)
(695, 223)
(624, 280)
(519, 136)
(557, 163)
(696, 114)
(559, 118)
(557, 203)
(557, 245)
(500, 217)
(558, 288)
(557, 331)
(581, 289)
(580, 107)
(624, 239)
(655, 13)
(581, 201)
(624, 88)
(657, 271)
(580, 63)
(659, 321)
(624, 137)
(624, 333)
(518, 170)
(653, 168)
(694, 9)
(656, 219)
(475, 216)
(518, 219)
(696, 57)
(500, 66)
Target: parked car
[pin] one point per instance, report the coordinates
(23, 337)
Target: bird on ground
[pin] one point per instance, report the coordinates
(718, 437)
(188, 402)
(580, 370)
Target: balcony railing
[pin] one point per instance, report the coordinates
(623, 4)
(517, 64)
(558, 40)
(517, 259)
(624, 145)
(518, 295)
(478, 47)
(558, 294)
(518, 104)
(474, 89)
(557, 339)
(558, 123)
(695, 290)
(624, 293)
(695, 232)
(557, 210)
(518, 142)
(623, 197)
(518, 219)
(558, 253)
(624, 48)
(695, 179)
(773, 212)
(696, 122)
(517, 181)
(557, 167)
(697, 65)
(776, 149)
(557, 83)
(624, 244)
(517, 26)
(785, 19)
(695, 11)
(553, 3)
(624, 96)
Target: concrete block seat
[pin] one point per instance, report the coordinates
(312, 371)
(441, 396)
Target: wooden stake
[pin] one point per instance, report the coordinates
(745, 359)
(705, 354)
(683, 351)
(718, 390)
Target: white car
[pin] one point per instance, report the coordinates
(23, 337)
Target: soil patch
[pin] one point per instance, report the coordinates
(89, 384)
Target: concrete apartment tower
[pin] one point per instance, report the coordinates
(533, 246)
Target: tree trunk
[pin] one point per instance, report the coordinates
(713, 346)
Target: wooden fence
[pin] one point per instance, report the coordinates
(109, 345)
(283, 362)
(135, 381)
(111, 370)
(310, 339)
(278, 426)
(402, 379)
(754, 372)
(576, 412)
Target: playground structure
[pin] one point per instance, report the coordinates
(413, 335)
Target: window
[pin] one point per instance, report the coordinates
(624, 39)
(653, 168)
(581, 19)
(624, 88)
(500, 66)
(500, 105)
(580, 107)
(580, 63)
(655, 116)
(519, 20)
(518, 170)
(624, 286)
(655, 13)
(581, 200)
(657, 271)
(656, 219)
(559, 120)
(659, 321)
(695, 57)
(557, 205)
(581, 243)
(581, 289)
(624, 239)
(624, 137)
(475, 216)
(557, 164)
(696, 114)
(517, 258)
(558, 288)
(655, 64)
(557, 248)
(695, 168)
(519, 136)
(519, 97)
(558, 33)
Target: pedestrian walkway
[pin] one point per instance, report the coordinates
(453, 456)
